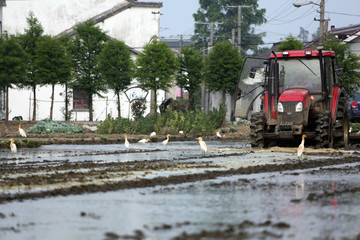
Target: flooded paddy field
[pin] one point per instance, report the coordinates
(177, 192)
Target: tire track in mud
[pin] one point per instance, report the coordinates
(74, 172)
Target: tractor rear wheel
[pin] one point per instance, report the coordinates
(257, 128)
(340, 130)
(322, 129)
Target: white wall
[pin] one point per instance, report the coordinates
(135, 26)
(21, 104)
(216, 101)
(54, 15)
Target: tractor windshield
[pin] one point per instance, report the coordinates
(300, 73)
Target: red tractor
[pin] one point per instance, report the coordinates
(301, 95)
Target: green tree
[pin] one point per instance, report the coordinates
(303, 35)
(290, 43)
(190, 73)
(222, 69)
(13, 65)
(226, 19)
(316, 34)
(28, 40)
(156, 66)
(349, 62)
(53, 65)
(66, 42)
(116, 67)
(85, 49)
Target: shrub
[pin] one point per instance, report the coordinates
(171, 122)
(196, 122)
(102, 138)
(178, 106)
(138, 108)
(355, 127)
(111, 125)
(142, 125)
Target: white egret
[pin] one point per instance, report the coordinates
(143, 141)
(166, 141)
(127, 144)
(218, 133)
(21, 131)
(202, 144)
(13, 146)
(301, 147)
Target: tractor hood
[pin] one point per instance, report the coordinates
(294, 95)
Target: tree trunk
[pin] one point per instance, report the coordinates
(52, 101)
(192, 99)
(7, 103)
(223, 106)
(66, 103)
(118, 104)
(91, 116)
(34, 102)
(153, 103)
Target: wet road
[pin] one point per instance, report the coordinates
(317, 202)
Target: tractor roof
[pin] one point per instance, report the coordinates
(302, 53)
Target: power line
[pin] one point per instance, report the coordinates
(346, 14)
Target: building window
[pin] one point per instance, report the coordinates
(80, 99)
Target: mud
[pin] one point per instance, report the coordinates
(69, 178)
(178, 192)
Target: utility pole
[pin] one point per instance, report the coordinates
(238, 24)
(321, 20)
(152, 92)
(233, 37)
(3, 97)
(211, 40)
(322, 13)
(211, 43)
(239, 29)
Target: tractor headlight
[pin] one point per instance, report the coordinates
(299, 107)
(280, 107)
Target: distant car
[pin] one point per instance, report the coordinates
(354, 108)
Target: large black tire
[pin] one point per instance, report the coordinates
(322, 129)
(257, 127)
(340, 130)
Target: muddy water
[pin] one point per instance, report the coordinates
(305, 203)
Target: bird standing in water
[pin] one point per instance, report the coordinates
(301, 147)
(143, 141)
(218, 133)
(166, 141)
(127, 144)
(202, 144)
(13, 146)
(21, 131)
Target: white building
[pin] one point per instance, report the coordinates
(135, 23)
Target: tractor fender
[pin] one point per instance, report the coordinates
(337, 93)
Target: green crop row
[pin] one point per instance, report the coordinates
(49, 127)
